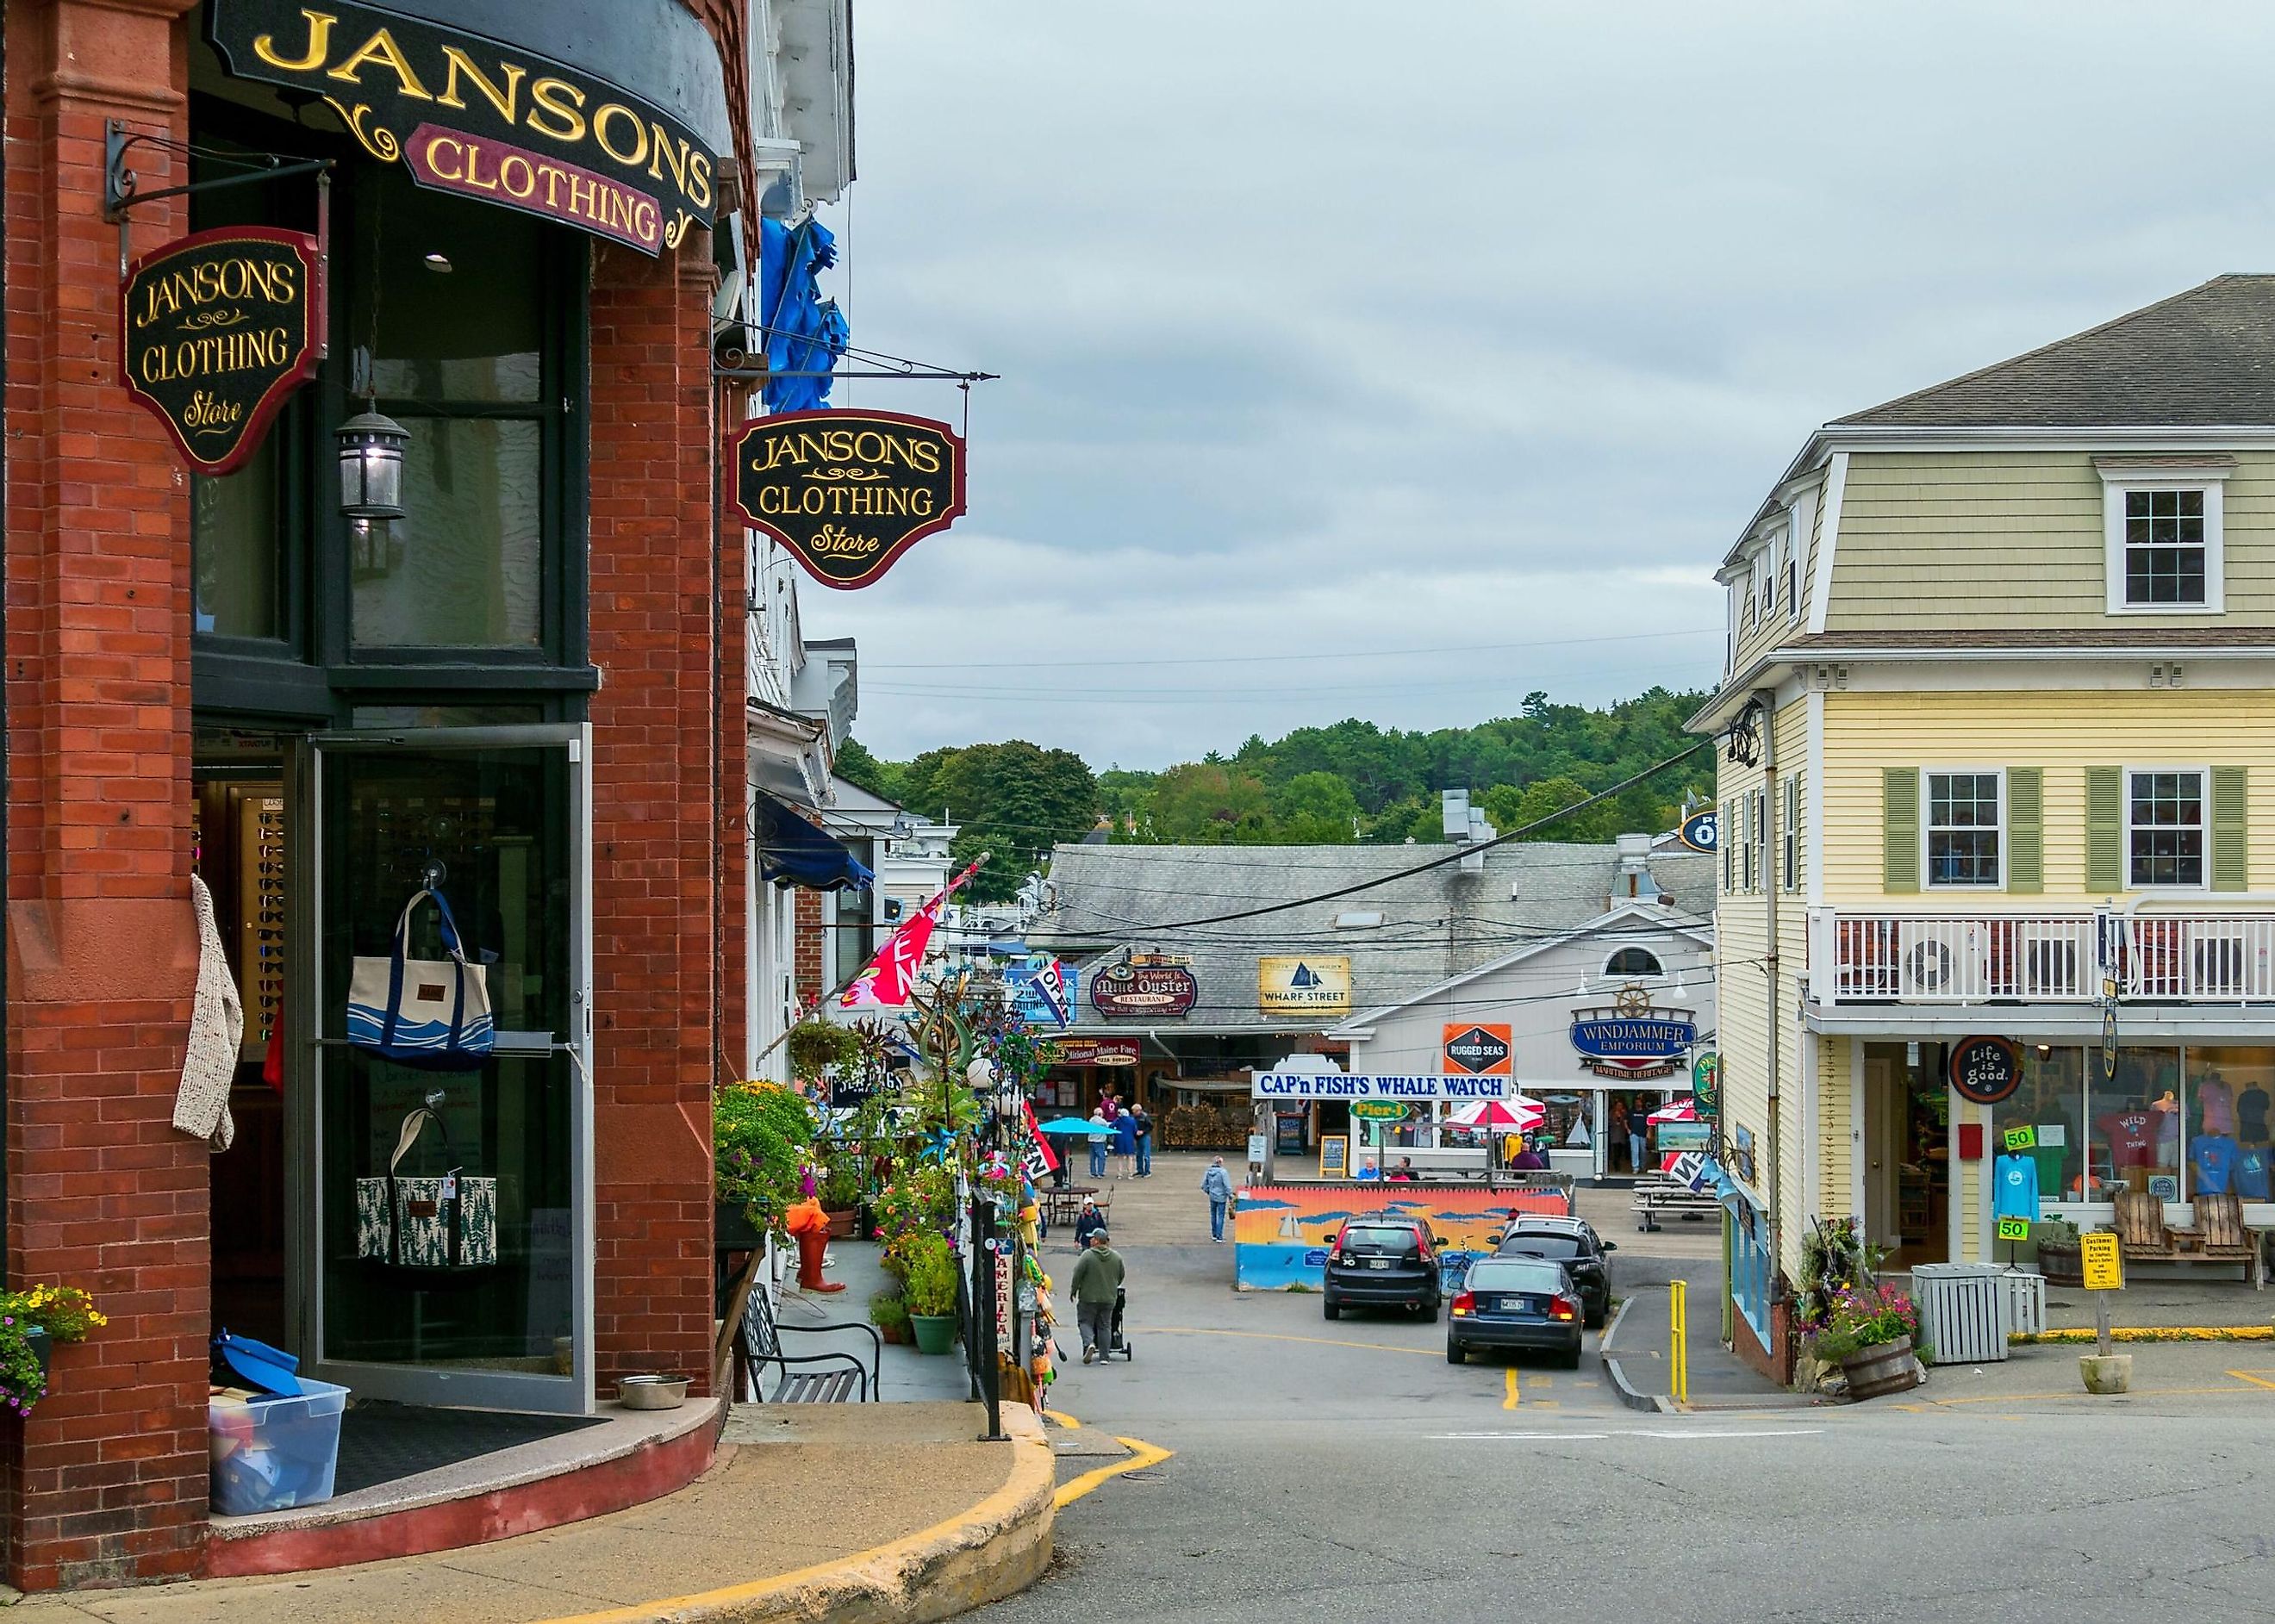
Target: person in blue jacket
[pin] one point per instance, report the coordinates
(1125, 1144)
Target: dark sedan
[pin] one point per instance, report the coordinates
(1386, 1262)
(1514, 1303)
(1577, 1249)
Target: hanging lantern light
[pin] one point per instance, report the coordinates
(371, 466)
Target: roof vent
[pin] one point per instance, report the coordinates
(1358, 921)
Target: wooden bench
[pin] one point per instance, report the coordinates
(845, 1379)
(1655, 1198)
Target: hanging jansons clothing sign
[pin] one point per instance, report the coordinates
(216, 330)
(483, 119)
(849, 492)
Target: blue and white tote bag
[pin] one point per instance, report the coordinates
(431, 1013)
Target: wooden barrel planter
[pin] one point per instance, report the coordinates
(2061, 1263)
(1880, 1370)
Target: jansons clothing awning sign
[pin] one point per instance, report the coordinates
(485, 119)
(849, 492)
(216, 330)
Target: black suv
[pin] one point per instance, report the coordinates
(1572, 1243)
(1383, 1260)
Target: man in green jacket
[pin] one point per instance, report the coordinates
(1097, 1280)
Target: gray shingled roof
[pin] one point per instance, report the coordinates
(2203, 357)
(1435, 925)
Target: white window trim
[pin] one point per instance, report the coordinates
(1659, 974)
(2115, 485)
(1789, 834)
(2203, 802)
(1927, 800)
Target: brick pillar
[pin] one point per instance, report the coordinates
(107, 1481)
(806, 922)
(659, 999)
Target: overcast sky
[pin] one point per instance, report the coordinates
(1333, 331)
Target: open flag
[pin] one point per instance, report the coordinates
(884, 982)
(1049, 985)
(1042, 1161)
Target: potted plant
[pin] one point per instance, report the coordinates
(841, 1191)
(889, 1312)
(930, 1293)
(32, 1321)
(818, 1047)
(2059, 1258)
(1870, 1331)
(760, 1136)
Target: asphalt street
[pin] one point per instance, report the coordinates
(1330, 1471)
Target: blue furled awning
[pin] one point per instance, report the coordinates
(792, 852)
(804, 332)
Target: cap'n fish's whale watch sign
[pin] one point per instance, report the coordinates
(849, 492)
(483, 119)
(216, 330)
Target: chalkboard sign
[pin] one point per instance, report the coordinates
(1985, 1070)
(1335, 1155)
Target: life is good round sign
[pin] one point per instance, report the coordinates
(1986, 1071)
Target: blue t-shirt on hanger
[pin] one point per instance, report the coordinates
(2252, 1173)
(2215, 1155)
(2014, 1182)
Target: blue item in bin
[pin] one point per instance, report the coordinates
(257, 1365)
(272, 1453)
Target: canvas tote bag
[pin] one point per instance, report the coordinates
(430, 1013)
(438, 1224)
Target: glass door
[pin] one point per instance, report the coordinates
(453, 1250)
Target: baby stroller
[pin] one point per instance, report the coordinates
(1115, 1342)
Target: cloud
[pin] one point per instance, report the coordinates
(1332, 328)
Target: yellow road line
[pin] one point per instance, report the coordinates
(1064, 1420)
(1514, 1398)
(1274, 1336)
(2256, 1381)
(1142, 1454)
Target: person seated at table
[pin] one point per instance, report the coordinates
(1529, 1160)
(1404, 1170)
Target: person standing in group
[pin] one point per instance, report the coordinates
(1142, 1121)
(1216, 1185)
(1100, 1131)
(1639, 1125)
(1097, 1277)
(1108, 1106)
(1125, 1145)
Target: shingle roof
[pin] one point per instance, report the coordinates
(2205, 356)
(1435, 925)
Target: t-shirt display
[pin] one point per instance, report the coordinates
(2131, 1137)
(2217, 1101)
(2213, 1156)
(2015, 1186)
(2251, 1115)
(2252, 1173)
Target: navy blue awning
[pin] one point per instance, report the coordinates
(792, 852)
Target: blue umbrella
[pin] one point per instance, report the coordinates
(1076, 1124)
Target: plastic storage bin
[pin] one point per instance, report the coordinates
(271, 1454)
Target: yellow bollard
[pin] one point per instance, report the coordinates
(1678, 1308)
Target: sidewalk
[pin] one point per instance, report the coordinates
(811, 1512)
(1636, 1348)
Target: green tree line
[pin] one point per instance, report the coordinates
(1353, 782)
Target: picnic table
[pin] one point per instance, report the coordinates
(1063, 1206)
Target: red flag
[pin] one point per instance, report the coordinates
(1042, 1161)
(884, 982)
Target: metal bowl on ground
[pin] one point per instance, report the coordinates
(652, 1392)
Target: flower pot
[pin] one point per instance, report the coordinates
(845, 1222)
(42, 1346)
(1880, 1369)
(896, 1333)
(2059, 1262)
(2106, 1372)
(935, 1334)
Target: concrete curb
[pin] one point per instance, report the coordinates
(996, 1549)
(1612, 1372)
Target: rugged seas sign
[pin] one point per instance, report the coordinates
(482, 119)
(849, 492)
(216, 330)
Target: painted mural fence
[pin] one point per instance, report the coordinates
(1281, 1231)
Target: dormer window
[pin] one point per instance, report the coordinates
(2163, 524)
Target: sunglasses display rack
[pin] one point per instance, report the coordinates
(261, 913)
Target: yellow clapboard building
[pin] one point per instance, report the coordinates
(1999, 718)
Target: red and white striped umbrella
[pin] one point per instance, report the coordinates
(1677, 1111)
(1515, 1111)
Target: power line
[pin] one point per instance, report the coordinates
(1338, 655)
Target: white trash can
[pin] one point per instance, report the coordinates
(1962, 1310)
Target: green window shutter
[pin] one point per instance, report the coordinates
(2231, 840)
(2104, 828)
(2026, 869)
(1900, 853)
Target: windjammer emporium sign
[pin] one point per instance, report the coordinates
(216, 330)
(1631, 1040)
(849, 492)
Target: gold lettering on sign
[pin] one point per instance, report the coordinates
(382, 49)
(564, 101)
(320, 45)
(844, 543)
(504, 100)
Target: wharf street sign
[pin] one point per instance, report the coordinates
(1292, 986)
(216, 330)
(849, 492)
(1139, 990)
(486, 119)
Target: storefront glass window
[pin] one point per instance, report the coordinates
(236, 549)
(2135, 1124)
(2048, 1103)
(2228, 1095)
(465, 569)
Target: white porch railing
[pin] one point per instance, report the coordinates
(1860, 957)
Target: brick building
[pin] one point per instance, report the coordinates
(527, 692)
